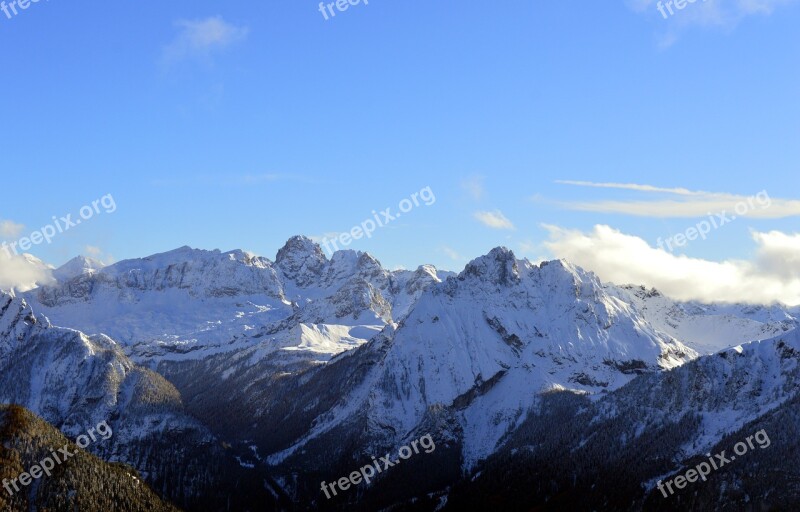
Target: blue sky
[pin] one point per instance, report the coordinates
(237, 125)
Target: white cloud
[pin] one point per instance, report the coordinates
(703, 13)
(772, 275)
(632, 186)
(21, 272)
(201, 38)
(10, 229)
(710, 12)
(451, 253)
(474, 187)
(495, 220)
(783, 254)
(680, 202)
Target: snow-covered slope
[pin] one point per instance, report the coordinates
(726, 390)
(524, 329)
(709, 328)
(75, 382)
(484, 345)
(612, 452)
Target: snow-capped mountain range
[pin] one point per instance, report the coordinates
(306, 364)
(189, 304)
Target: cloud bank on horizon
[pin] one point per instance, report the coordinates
(772, 275)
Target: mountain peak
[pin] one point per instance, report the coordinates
(561, 265)
(78, 266)
(563, 273)
(499, 267)
(427, 270)
(301, 259)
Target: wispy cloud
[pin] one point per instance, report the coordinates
(725, 14)
(495, 220)
(254, 179)
(200, 39)
(632, 186)
(452, 253)
(681, 202)
(10, 229)
(473, 186)
(229, 180)
(773, 274)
